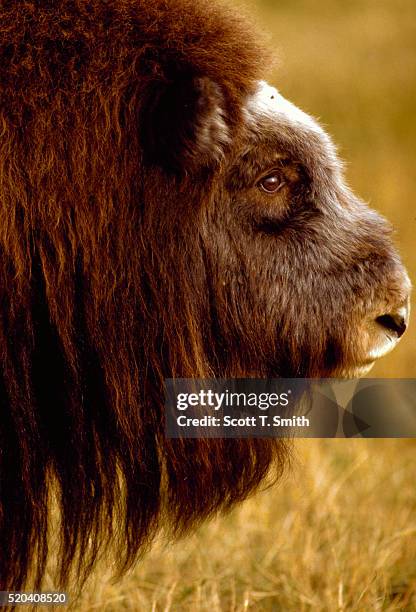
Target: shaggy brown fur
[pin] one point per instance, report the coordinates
(132, 250)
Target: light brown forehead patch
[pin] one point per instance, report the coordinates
(275, 129)
(268, 102)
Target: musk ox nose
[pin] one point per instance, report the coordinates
(396, 321)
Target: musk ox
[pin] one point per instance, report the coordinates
(163, 213)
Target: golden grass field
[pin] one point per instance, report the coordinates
(339, 532)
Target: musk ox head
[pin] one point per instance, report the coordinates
(304, 278)
(163, 213)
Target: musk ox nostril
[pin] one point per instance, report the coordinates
(395, 322)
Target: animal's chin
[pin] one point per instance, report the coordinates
(385, 344)
(355, 371)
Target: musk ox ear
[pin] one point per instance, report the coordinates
(184, 125)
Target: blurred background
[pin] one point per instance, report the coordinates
(339, 532)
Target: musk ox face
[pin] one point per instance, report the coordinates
(301, 271)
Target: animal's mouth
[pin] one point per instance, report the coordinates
(389, 329)
(383, 335)
(386, 344)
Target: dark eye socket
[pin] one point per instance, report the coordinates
(272, 183)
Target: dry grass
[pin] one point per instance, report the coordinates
(339, 532)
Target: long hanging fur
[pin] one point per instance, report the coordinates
(102, 281)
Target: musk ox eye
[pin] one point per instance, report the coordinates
(272, 183)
